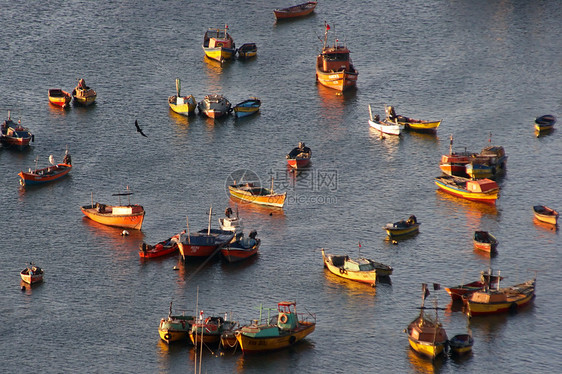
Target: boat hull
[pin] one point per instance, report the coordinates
(338, 80)
(430, 350)
(276, 200)
(44, 175)
(298, 163)
(255, 345)
(59, 98)
(219, 54)
(129, 221)
(184, 107)
(300, 10)
(386, 128)
(519, 296)
(482, 197)
(395, 232)
(545, 214)
(428, 127)
(237, 254)
(367, 277)
(31, 279)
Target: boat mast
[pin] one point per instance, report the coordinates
(188, 236)
(178, 87)
(209, 227)
(451, 146)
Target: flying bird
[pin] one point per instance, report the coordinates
(139, 129)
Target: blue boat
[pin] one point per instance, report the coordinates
(247, 107)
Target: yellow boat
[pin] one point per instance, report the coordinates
(427, 335)
(258, 195)
(270, 337)
(360, 270)
(184, 105)
(500, 300)
(482, 190)
(402, 228)
(83, 95)
(175, 327)
(546, 214)
(218, 44)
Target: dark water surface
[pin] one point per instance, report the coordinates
(484, 67)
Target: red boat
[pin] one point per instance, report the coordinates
(300, 10)
(242, 248)
(163, 248)
(15, 134)
(299, 157)
(487, 279)
(45, 175)
(455, 162)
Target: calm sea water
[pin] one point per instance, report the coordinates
(484, 67)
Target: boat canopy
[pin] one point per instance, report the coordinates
(481, 185)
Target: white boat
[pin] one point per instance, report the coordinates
(383, 125)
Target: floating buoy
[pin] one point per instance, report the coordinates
(124, 233)
(271, 213)
(22, 288)
(176, 267)
(395, 242)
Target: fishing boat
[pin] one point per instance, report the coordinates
(162, 248)
(359, 269)
(545, 214)
(231, 223)
(48, 174)
(455, 163)
(83, 95)
(241, 248)
(461, 344)
(60, 98)
(425, 334)
(334, 68)
(14, 134)
(209, 332)
(383, 126)
(214, 106)
(32, 274)
(295, 11)
(247, 107)
(545, 123)
(175, 327)
(247, 50)
(411, 123)
(402, 228)
(299, 157)
(485, 241)
(481, 190)
(205, 243)
(184, 105)
(499, 300)
(252, 193)
(218, 44)
(487, 279)
(489, 163)
(126, 216)
(291, 327)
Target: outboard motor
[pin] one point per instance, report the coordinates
(253, 234)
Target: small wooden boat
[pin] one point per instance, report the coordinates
(83, 95)
(241, 248)
(58, 97)
(427, 335)
(360, 269)
(257, 194)
(500, 300)
(184, 105)
(14, 134)
(48, 174)
(289, 329)
(210, 331)
(334, 68)
(162, 248)
(218, 44)
(175, 327)
(32, 274)
(247, 50)
(299, 157)
(126, 216)
(411, 123)
(489, 163)
(295, 11)
(214, 106)
(402, 228)
(461, 344)
(247, 107)
(482, 190)
(487, 279)
(546, 214)
(485, 241)
(545, 123)
(383, 126)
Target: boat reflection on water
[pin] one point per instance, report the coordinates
(335, 285)
(472, 210)
(272, 358)
(252, 210)
(231, 268)
(125, 246)
(485, 255)
(543, 226)
(420, 364)
(28, 288)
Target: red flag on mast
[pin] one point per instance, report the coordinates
(327, 27)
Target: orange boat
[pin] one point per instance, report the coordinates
(482, 190)
(59, 97)
(126, 216)
(294, 11)
(32, 274)
(334, 68)
(455, 162)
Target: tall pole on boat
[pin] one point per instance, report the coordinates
(188, 236)
(209, 227)
(196, 309)
(92, 197)
(370, 113)
(451, 145)
(178, 87)
(272, 185)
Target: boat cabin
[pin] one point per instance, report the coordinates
(481, 185)
(489, 297)
(215, 38)
(335, 58)
(287, 319)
